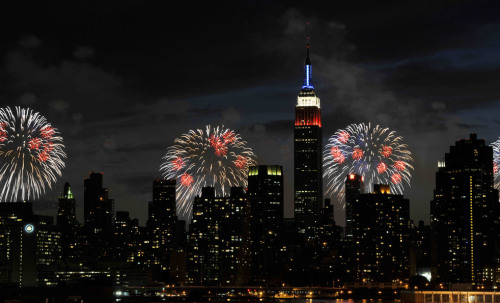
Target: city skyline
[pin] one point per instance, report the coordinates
(121, 91)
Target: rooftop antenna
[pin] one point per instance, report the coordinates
(308, 40)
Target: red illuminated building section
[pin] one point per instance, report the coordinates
(307, 116)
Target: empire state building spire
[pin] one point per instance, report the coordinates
(307, 97)
(308, 69)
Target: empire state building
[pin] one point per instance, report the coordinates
(307, 151)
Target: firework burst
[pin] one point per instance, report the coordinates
(374, 153)
(215, 157)
(31, 154)
(496, 162)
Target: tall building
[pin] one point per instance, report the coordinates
(354, 186)
(381, 236)
(235, 236)
(265, 191)
(219, 239)
(96, 240)
(465, 214)
(18, 243)
(30, 246)
(420, 254)
(98, 208)
(307, 151)
(126, 237)
(67, 223)
(162, 221)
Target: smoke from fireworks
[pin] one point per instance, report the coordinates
(215, 157)
(374, 153)
(31, 153)
(496, 162)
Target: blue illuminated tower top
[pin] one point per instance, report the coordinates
(308, 69)
(307, 96)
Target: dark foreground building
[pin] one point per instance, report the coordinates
(265, 191)
(381, 236)
(219, 244)
(464, 214)
(162, 218)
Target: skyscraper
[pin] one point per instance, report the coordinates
(307, 150)
(98, 208)
(66, 211)
(354, 186)
(381, 236)
(265, 191)
(96, 243)
(162, 220)
(66, 221)
(465, 214)
(218, 238)
(163, 207)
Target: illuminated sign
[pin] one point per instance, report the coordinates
(29, 228)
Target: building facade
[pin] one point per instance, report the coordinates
(354, 187)
(465, 214)
(381, 236)
(68, 225)
(265, 192)
(161, 224)
(308, 175)
(219, 241)
(98, 208)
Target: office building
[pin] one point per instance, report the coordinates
(465, 214)
(265, 192)
(381, 236)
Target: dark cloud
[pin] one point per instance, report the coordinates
(83, 52)
(29, 41)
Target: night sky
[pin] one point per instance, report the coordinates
(122, 79)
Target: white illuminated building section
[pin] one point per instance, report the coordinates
(311, 100)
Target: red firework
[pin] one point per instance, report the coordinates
(335, 151)
(186, 180)
(357, 154)
(178, 163)
(343, 136)
(3, 135)
(229, 137)
(396, 178)
(240, 162)
(34, 143)
(48, 147)
(221, 150)
(381, 167)
(386, 151)
(219, 146)
(399, 165)
(47, 132)
(337, 154)
(213, 140)
(43, 156)
(495, 168)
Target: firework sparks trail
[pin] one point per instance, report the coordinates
(31, 154)
(377, 154)
(496, 162)
(215, 157)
